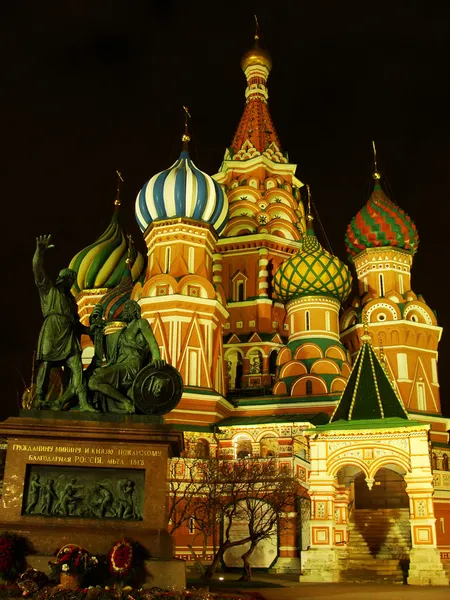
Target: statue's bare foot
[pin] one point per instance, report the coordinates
(129, 407)
(85, 407)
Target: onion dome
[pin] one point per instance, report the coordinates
(312, 272)
(381, 223)
(256, 56)
(182, 191)
(102, 264)
(114, 300)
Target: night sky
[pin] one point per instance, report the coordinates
(88, 87)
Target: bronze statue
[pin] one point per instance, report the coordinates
(59, 339)
(127, 356)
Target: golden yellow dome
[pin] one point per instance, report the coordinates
(256, 56)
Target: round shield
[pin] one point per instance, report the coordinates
(157, 391)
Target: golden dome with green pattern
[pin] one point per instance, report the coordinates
(103, 263)
(312, 272)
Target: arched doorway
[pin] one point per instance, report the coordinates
(388, 491)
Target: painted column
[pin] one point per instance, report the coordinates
(320, 561)
(425, 564)
(288, 560)
(341, 516)
(263, 273)
(217, 268)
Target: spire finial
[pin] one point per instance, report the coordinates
(130, 250)
(186, 138)
(382, 354)
(309, 214)
(366, 337)
(118, 185)
(309, 217)
(376, 174)
(256, 30)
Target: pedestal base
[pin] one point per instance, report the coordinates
(320, 565)
(286, 565)
(88, 481)
(425, 567)
(165, 574)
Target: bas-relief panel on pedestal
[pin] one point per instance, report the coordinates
(53, 491)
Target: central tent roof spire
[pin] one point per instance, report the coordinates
(256, 129)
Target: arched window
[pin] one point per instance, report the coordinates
(327, 320)
(434, 462)
(240, 291)
(400, 283)
(202, 449)
(273, 362)
(445, 463)
(243, 448)
(421, 396)
(309, 389)
(307, 321)
(268, 447)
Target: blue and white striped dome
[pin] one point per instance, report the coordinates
(182, 191)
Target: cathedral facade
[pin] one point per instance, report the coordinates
(285, 351)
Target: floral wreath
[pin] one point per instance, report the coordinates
(121, 558)
(71, 558)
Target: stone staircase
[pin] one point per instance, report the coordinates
(379, 546)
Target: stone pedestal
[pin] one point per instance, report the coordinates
(107, 474)
(320, 565)
(425, 567)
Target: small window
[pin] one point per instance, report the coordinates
(191, 261)
(167, 262)
(381, 285)
(402, 365)
(192, 525)
(307, 321)
(309, 389)
(434, 370)
(400, 283)
(327, 321)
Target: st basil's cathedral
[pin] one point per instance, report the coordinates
(286, 351)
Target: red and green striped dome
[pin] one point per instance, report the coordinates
(381, 223)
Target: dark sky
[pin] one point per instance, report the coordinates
(91, 86)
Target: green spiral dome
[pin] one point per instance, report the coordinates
(102, 264)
